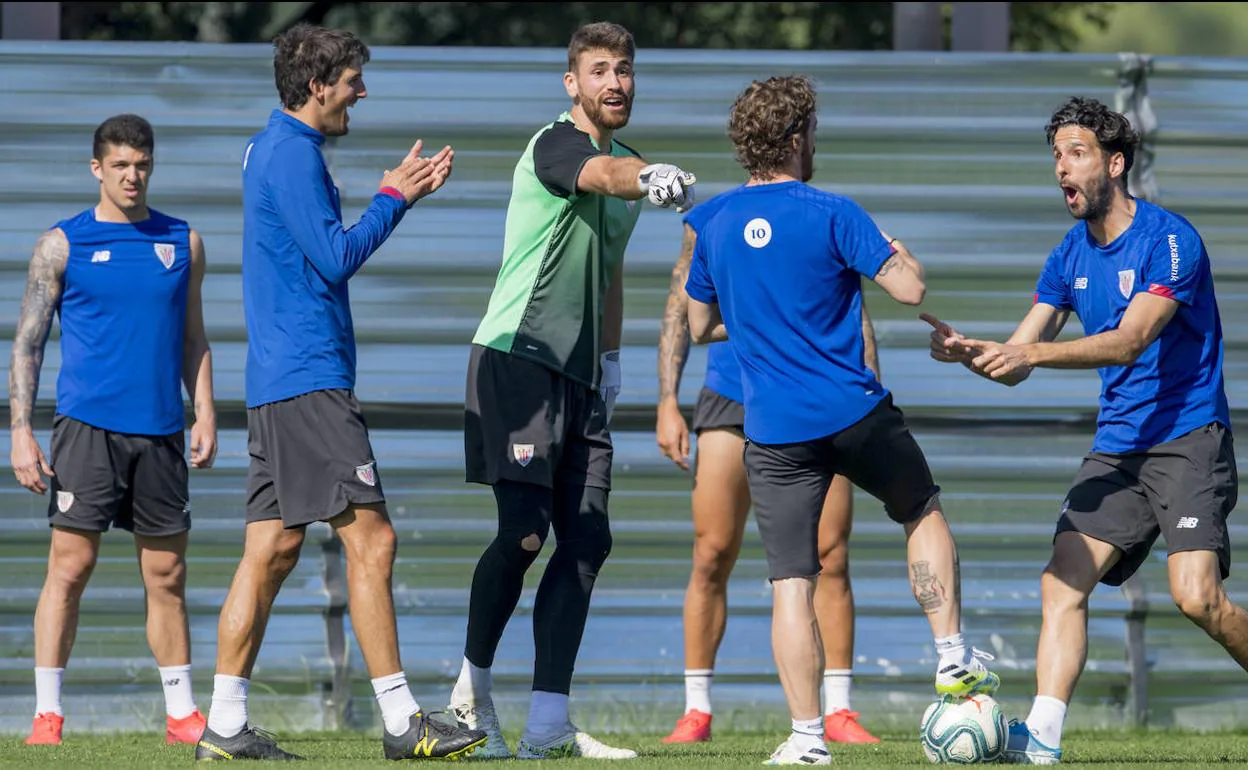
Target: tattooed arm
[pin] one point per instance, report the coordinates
(902, 276)
(671, 431)
(45, 283)
(197, 363)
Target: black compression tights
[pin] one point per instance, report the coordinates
(526, 513)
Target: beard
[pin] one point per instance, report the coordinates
(608, 121)
(808, 165)
(1096, 200)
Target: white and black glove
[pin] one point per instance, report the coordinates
(610, 383)
(667, 185)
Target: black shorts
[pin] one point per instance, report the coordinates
(526, 423)
(1184, 488)
(717, 412)
(310, 459)
(138, 483)
(789, 482)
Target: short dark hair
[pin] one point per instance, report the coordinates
(305, 52)
(123, 131)
(765, 116)
(1112, 130)
(604, 35)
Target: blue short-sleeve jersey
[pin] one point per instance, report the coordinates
(784, 262)
(1175, 386)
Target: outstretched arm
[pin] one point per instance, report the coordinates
(45, 283)
(1041, 324)
(614, 176)
(1145, 317)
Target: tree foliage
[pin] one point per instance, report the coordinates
(792, 26)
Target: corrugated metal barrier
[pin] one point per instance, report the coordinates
(946, 151)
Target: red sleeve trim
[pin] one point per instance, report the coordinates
(393, 192)
(1161, 291)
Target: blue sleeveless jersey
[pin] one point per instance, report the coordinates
(123, 316)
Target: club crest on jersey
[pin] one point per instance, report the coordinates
(165, 253)
(367, 473)
(64, 500)
(523, 454)
(1126, 282)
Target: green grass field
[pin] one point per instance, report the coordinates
(1104, 750)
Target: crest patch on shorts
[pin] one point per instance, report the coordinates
(523, 454)
(64, 500)
(367, 473)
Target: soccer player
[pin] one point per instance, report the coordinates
(1162, 462)
(311, 459)
(126, 281)
(721, 501)
(543, 375)
(777, 268)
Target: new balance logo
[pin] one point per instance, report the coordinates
(1187, 522)
(101, 256)
(172, 682)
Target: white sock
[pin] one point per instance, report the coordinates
(698, 689)
(228, 714)
(474, 685)
(808, 733)
(836, 683)
(548, 715)
(179, 703)
(48, 690)
(396, 702)
(952, 649)
(1046, 719)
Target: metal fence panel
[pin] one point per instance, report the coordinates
(946, 151)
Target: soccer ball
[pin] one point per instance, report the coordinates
(964, 731)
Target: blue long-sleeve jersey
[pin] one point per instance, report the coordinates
(297, 259)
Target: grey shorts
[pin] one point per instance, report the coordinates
(717, 412)
(310, 459)
(1184, 489)
(138, 483)
(789, 482)
(524, 422)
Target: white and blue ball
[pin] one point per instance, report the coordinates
(964, 731)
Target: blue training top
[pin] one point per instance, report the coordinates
(297, 258)
(784, 262)
(1175, 386)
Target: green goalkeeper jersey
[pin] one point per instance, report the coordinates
(560, 252)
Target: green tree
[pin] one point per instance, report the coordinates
(786, 26)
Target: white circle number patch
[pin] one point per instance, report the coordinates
(758, 232)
